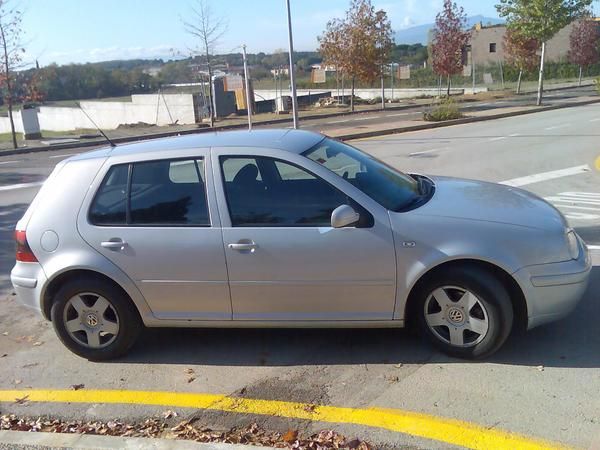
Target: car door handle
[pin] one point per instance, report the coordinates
(241, 246)
(115, 244)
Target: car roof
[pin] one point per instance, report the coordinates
(295, 141)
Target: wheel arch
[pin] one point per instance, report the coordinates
(60, 279)
(517, 297)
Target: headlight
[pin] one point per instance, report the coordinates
(573, 243)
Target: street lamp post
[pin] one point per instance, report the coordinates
(247, 79)
(292, 79)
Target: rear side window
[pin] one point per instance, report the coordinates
(110, 204)
(153, 193)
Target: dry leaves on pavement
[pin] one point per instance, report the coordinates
(251, 434)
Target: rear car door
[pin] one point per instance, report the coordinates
(156, 220)
(285, 261)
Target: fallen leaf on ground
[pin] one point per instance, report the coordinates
(5, 333)
(168, 414)
(540, 368)
(190, 379)
(76, 387)
(20, 401)
(397, 366)
(189, 371)
(4, 355)
(18, 381)
(27, 366)
(290, 436)
(37, 343)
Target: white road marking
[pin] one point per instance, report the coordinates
(9, 162)
(499, 138)
(556, 127)
(586, 208)
(66, 155)
(398, 114)
(538, 177)
(12, 187)
(573, 200)
(581, 216)
(368, 118)
(514, 135)
(424, 152)
(339, 121)
(595, 120)
(593, 247)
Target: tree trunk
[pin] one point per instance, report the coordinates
(9, 89)
(382, 91)
(541, 79)
(10, 116)
(519, 81)
(580, 74)
(448, 91)
(211, 110)
(352, 96)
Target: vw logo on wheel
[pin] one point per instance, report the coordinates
(455, 315)
(91, 320)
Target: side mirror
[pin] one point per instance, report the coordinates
(344, 215)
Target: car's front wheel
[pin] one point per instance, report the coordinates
(465, 311)
(94, 319)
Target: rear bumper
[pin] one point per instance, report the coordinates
(552, 291)
(28, 280)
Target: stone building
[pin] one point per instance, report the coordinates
(487, 44)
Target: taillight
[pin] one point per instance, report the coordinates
(24, 253)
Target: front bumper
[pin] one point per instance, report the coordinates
(552, 291)
(28, 279)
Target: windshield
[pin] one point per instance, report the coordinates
(389, 187)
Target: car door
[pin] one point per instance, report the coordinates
(285, 261)
(156, 220)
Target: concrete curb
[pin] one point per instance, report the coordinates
(15, 439)
(429, 126)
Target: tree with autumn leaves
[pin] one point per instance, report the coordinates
(11, 56)
(360, 45)
(521, 52)
(449, 41)
(585, 44)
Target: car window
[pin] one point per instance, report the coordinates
(287, 195)
(232, 166)
(389, 187)
(165, 192)
(110, 204)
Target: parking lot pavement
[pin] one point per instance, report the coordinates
(542, 384)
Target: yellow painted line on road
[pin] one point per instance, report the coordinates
(597, 163)
(450, 431)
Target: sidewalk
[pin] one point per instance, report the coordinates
(33, 440)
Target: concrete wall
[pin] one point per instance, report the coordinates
(109, 115)
(369, 94)
(5, 123)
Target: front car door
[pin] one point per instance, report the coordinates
(285, 261)
(156, 219)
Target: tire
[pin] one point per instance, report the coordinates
(483, 320)
(94, 319)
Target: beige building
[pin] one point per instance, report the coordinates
(487, 44)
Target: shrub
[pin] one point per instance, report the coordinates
(446, 110)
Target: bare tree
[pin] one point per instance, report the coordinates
(11, 57)
(208, 29)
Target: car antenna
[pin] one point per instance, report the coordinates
(111, 143)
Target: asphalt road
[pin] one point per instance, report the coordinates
(544, 383)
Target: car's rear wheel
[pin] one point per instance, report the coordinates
(465, 311)
(94, 319)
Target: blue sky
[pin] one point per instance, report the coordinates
(64, 31)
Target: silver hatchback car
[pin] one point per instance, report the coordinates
(285, 228)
